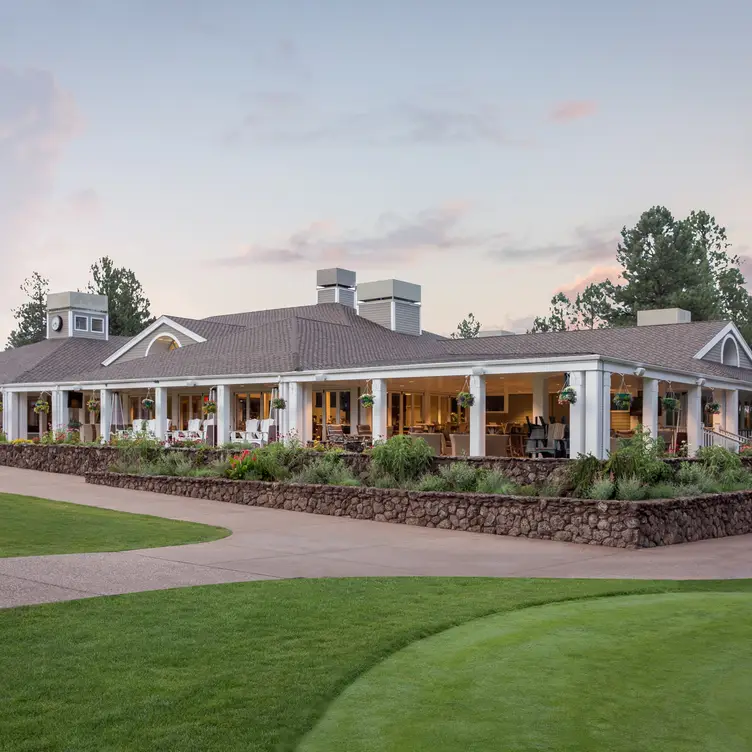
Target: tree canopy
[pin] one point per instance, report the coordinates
(665, 263)
(31, 316)
(128, 306)
(468, 328)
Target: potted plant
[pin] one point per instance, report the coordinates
(670, 402)
(713, 408)
(465, 399)
(41, 406)
(210, 407)
(622, 401)
(278, 403)
(148, 403)
(93, 405)
(367, 400)
(567, 396)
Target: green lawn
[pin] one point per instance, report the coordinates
(647, 672)
(256, 666)
(32, 527)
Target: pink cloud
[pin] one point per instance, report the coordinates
(575, 109)
(596, 274)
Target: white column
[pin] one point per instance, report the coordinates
(594, 390)
(731, 423)
(223, 414)
(540, 397)
(23, 415)
(606, 415)
(105, 415)
(4, 417)
(175, 416)
(650, 406)
(380, 410)
(694, 419)
(478, 416)
(306, 429)
(160, 412)
(10, 415)
(577, 415)
(59, 410)
(294, 409)
(354, 412)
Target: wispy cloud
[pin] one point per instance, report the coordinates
(596, 274)
(576, 109)
(395, 238)
(588, 245)
(289, 117)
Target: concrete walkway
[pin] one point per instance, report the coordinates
(270, 544)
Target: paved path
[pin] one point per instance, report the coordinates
(270, 544)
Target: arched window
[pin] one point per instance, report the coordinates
(730, 352)
(162, 343)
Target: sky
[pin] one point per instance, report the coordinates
(488, 151)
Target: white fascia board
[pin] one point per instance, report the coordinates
(679, 377)
(161, 321)
(730, 328)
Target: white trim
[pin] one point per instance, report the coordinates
(85, 318)
(730, 328)
(91, 325)
(161, 336)
(730, 338)
(70, 323)
(161, 321)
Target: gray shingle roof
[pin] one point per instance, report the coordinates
(331, 336)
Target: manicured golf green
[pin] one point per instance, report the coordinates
(256, 666)
(32, 527)
(650, 673)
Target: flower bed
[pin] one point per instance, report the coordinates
(617, 524)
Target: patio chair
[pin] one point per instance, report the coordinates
(265, 428)
(497, 445)
(139, 426)
(460, 444)
(335, 435)
(435, 440)
(364, 431)
(251, 435)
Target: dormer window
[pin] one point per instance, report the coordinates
(81, 323)
(97, 325)
(730, 352)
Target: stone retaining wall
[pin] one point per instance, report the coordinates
(606, 523)
(70, 459)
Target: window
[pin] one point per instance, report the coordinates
(81, 324)
(730, 352)
(97, 325)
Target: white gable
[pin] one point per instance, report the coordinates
(727, 347)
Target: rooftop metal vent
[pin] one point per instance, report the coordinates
(335, 286)
(663, 316)
(391, 303)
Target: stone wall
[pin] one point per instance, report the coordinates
(70, 459)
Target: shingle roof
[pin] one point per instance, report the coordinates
(331, 336)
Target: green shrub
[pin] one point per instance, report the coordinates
(552, 489)
(694, 475)
(3, 438)
(432, 483)
(663, 491)
(583, 472)
(460, 476)
(639, 457)
(719, 462)
(602, 488)
(204, 472)
(631, 488)
(327, 470)
(383, 480)
(404, 458)
(495, 482)
(528, 490)
(171, 464)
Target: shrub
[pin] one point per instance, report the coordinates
(602, 488)
(495, 482)
(527, 491)
(639, 457)
(378, 480)
(631, 488)
(3, 438)
(695, 476)
(583, 472)
(204, 472)
(719, 462)
(327, 470)
(663, 491)
(402, 457)
(460, 476)
(169, 463)
(432, 483)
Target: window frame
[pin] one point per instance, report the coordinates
(98, 319)
(78, 317)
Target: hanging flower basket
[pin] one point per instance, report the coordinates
(713, 408)
(567, 396)
(93, 405)
(148, 403)
(670, 403)
(41, 406)
(622, 401)
(210, 407)
(465, 399)
(278, 403)
(367, 400)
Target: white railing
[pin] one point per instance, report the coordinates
(721, 437)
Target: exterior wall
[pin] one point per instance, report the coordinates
(139, 351)
(327, 295)
(616, 524)
(716, 355)
(64, 330)
(67, 329)
(407, 318)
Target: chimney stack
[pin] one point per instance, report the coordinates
(77, 314)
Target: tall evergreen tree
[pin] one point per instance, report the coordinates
(468, 328)
(128, 306)
(31, 317)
